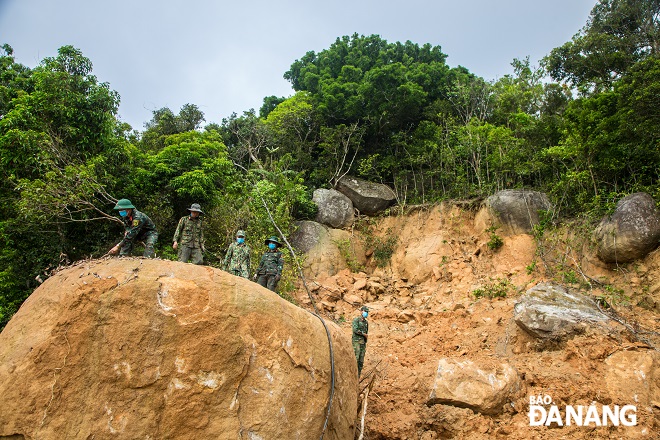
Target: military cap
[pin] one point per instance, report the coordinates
(365, 308)
(240, 233)
(124, 204)
(195, 207)
(272, 239)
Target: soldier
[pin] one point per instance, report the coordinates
(237, 258)
(189, 236)
(270, 267)
(138, 226)
(359, 339)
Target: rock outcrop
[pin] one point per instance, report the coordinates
(513, 211)
(135, 348)
(482, 388)
(368, 197)
(321, 246)
(631, 232)
(335, 209)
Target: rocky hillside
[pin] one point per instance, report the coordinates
(447, 352)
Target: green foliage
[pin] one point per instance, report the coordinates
(619, 34)
(531, 267)
(383, 247)
(494, 288)
(495, 241)
(348, 254)
(165, 123)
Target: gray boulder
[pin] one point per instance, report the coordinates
(320, 244)
(307, 235)
(631, 232)
(368, 197)
(514, 211)
(335, 209)
(552, 312)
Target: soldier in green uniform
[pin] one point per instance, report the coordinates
(237, 258)
(138, 226)
(189, 236)
(359, 339)
(270, 267)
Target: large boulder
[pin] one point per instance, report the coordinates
(631, 232)
(136, 348)
(368, 197)
(512, 211)
(552, 312)
(325, 249)
(485, 387)
(335, 209)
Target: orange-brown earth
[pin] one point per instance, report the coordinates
(424, 308)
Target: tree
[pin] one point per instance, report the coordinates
(58, 133)
(165, 123)
(619, 33)
(295, 128)
(270, 103)
(249, 137)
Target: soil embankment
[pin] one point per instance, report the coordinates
(445, 293)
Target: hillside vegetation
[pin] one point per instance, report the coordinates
(583, 127)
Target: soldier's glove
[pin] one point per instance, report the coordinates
(254, 277)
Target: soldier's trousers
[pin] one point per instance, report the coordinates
(268, 281)
(359, 348)
(150, 240)
(187, 253)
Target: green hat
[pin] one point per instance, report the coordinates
(196, 208)
(124, 204)
(240, 233)
(272, 239)
(365, 308)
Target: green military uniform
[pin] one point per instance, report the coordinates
(237, 260)
(190, 238)
(359, 339)
(270, 267)
(138, 226)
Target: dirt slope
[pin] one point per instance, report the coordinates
(424, 308)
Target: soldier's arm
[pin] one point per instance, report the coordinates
(230, 250)
(354, 326)
(261, 263)
(280, 264)
(179, 229)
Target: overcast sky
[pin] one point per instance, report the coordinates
(227, 56)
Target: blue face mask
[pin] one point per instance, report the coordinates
(240, 240)
(365, 314)
(272, 246)
(123, 213)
